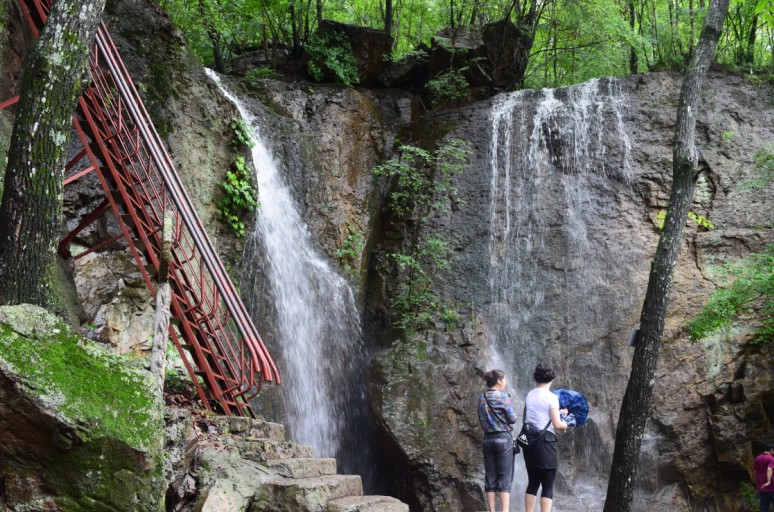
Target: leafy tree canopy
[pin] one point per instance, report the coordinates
(572, 40)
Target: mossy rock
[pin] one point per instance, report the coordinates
(87, 424)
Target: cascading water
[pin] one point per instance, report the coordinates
(318, 327)
(556, 179)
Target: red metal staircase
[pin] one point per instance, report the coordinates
(213, 332)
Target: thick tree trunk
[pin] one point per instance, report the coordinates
(633, 63)
(749, 55)
(388, 17)
(31, 208)
(295, 26)
(635, 408)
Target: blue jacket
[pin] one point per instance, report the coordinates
(575, 403)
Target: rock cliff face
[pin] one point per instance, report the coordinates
(551, 259)
(592, 208)
(552, 255)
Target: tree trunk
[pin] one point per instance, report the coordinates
(474, 22)
(749, 55)
(635, 408)
(295, 27)
(633, 62)
(213, 35)
(31, 207)
(158, 360)
(388, 17)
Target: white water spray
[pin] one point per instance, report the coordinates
(555, 184)
(318, 324)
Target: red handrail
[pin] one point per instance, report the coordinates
(215, 335)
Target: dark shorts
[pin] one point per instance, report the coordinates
(498, 462)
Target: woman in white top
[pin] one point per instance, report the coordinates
(542, 412)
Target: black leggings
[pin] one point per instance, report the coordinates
(541, 477)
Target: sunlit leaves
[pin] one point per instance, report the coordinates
(573, 40)
(749, 286)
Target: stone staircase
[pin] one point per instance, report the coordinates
(285, 476)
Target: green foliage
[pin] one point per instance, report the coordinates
(764, 167)
(450, 317)
(331, 53)
(698, 219)
(415, 303)
(261, 73)
(701, 221)
(243, 134)
(351, 251)
(424, 180)
(727, 136)
(448, 85)
(241, 197)
(749, 495)
(573, 40)
(750, 286)
(423, 184)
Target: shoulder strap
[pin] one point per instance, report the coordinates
(494, 413)
(524, 419)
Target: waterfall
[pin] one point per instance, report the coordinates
(317, 324)
(560, 168)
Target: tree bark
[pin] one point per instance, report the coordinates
(633, 62)
(388, 17)
(158, 360)
(749, 55)
(635, 408)
(31, 207)
(295, 26)
(214, 35)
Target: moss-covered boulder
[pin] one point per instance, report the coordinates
(81, 429)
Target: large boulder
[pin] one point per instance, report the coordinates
(493, 57)
(371, 48)
(82, 429)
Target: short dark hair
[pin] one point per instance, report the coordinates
(543, 373)
(767, 447)
(492, 376)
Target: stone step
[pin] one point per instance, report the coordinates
(306, 494)
(303, 468)
(262, 450)
(238, 426)
(367, 504)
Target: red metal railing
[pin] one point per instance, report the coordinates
(214, 334)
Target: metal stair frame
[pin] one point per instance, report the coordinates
(120, 144)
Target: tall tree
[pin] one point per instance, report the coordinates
(31, 207)
(633, 62)
(388, 14)
(635, 408)
(208, 19)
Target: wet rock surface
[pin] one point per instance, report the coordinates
(710, 397)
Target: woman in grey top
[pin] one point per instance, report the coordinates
(542, 412)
